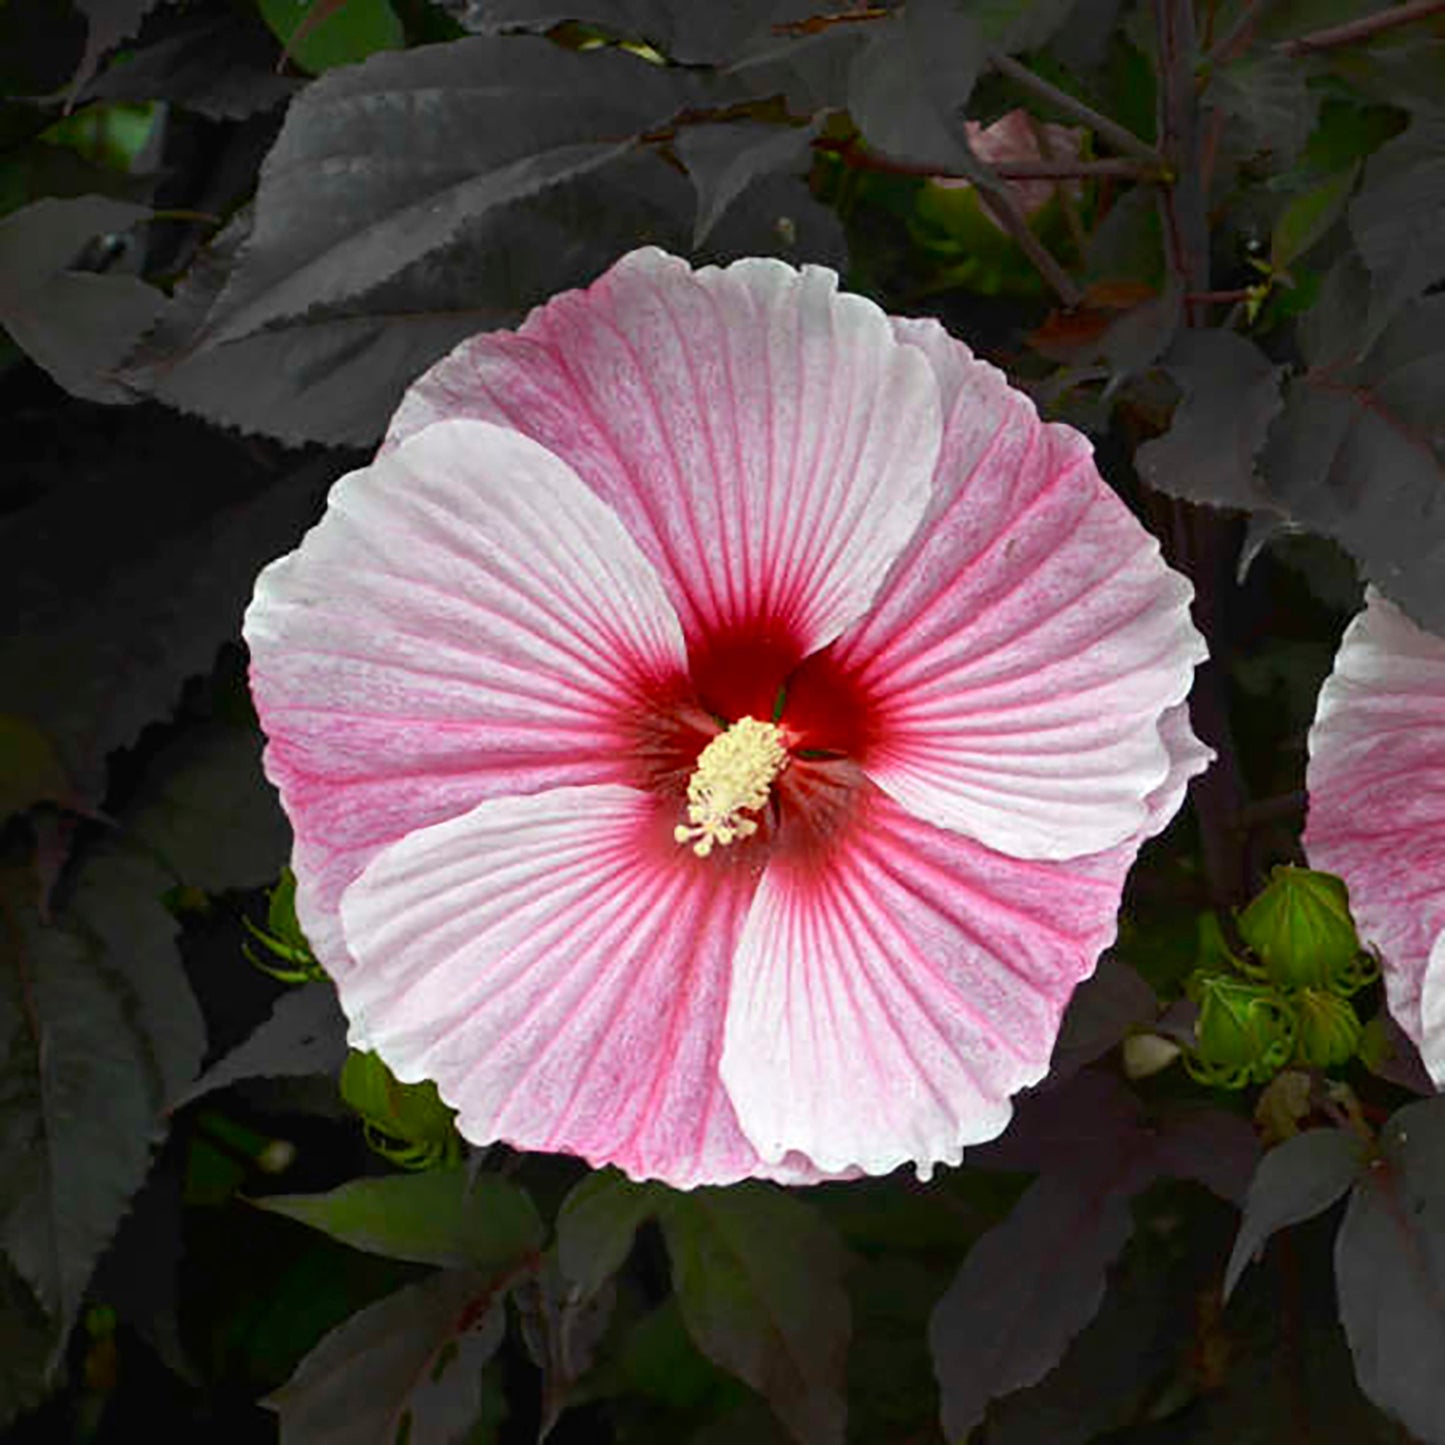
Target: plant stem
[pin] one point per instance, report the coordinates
(1200, 542)
(1364, 28)
(1063, 170)
(1238, 36)
(1000, 200)
(1118, 136)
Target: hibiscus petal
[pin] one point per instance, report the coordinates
(1376, 781)
(767, 440)
(468, 620)
(560, 968)
(891, 995)
(1022, 651)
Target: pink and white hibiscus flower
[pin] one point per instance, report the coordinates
(717, 727)
(1376, 782)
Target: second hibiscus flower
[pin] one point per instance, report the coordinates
(717, 727)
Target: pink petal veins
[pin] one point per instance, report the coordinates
(560, 969)
(766, 440)
(891, 993)
(1020, 654)
(1376, 782)
(467, 621)
(889, 998)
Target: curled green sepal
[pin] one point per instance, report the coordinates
(1245, 1033)
(1329, 1029)
(282, 937)
(1300, 929)
(405, 1123)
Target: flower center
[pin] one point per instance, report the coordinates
(733, 775)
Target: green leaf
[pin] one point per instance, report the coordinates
(441, 1217)
(1295, 1181)
(322, 34)
(1300, 927)
(660, 1362)
(412, 1114)
(1390, 1270)
(1309, 214)
(758, 1277)
(404, 1371)
(597, 1223)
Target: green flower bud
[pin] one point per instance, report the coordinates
(406, 1123)
(1329, 1030)
(1301, 930)
(282, 937)
(1245, 1031)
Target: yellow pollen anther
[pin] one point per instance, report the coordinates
(733, 775)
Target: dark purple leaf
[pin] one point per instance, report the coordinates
(335, 375)
(110, 22)
(723, 160)
(108, 618)
(1269, 105)
(810, 72)
(680, 29)
(98, 1031)
(1230, 395)
(1398, 218)
(221, 66)
(758, 1277)
(304, 1034)
(78, 325)
(383, 164)
(1390, 1271)
(1016, 25)
(1295, 1181)
(777, 216)
(1025, 1290)
(1104, 1008)
(208, 813)
(1070, 1129)
(1214, 1148)
(1358, 453)
(908, 88)
(406, 1369)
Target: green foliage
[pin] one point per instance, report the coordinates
(442, 1217)
(1300, 929)
(322, 34)
(1286, 1000)
(405, 1123)
(282, 937)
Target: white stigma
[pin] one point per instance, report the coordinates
(733, 775)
